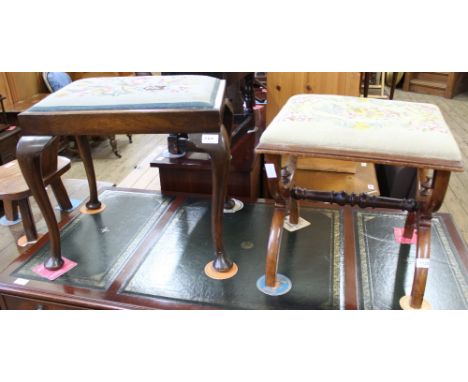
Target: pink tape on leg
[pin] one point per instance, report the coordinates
(399, 238)
(52, 275)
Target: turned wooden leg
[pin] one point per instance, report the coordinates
(61, 194)
(29, 152)
(293, 211)
(431, 194)
(11, 209)
(28, 220)
(410, 225)
(85, 153)
(220, 155)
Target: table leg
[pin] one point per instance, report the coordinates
(29, 152)
(430, 195)
(85, 153)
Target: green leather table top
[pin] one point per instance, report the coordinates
(386, 268)
(102, 243)
(311, 258)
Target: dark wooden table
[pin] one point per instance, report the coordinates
(194, 105)
(159, 272)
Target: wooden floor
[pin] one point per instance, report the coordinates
(133, 169)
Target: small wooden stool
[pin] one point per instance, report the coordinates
(14, 192)
(361, 130)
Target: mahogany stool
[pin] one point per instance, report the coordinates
(193, 105)
(361, 130)
(14, 192)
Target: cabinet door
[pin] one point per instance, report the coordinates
(5, 90)
(282, 86)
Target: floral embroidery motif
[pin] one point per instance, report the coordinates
(148, 92)
(363, 113)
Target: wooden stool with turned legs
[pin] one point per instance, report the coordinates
(360, 130)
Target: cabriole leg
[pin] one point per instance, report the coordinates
(29, 152)
(85, 153)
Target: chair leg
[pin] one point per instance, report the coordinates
(11, 209)
(113, 143)
(392, 88)
(28, 220)
(61, 194)
(130, 140)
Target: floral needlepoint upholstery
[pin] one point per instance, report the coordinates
(133, 93)
(350, 124)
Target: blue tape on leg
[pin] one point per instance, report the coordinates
(5, 222)
(284, 286)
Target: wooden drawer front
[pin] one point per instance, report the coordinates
(18, 303)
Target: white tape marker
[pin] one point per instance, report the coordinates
(270, 170)
(422, 263)
(210, 139)
(20, 281)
